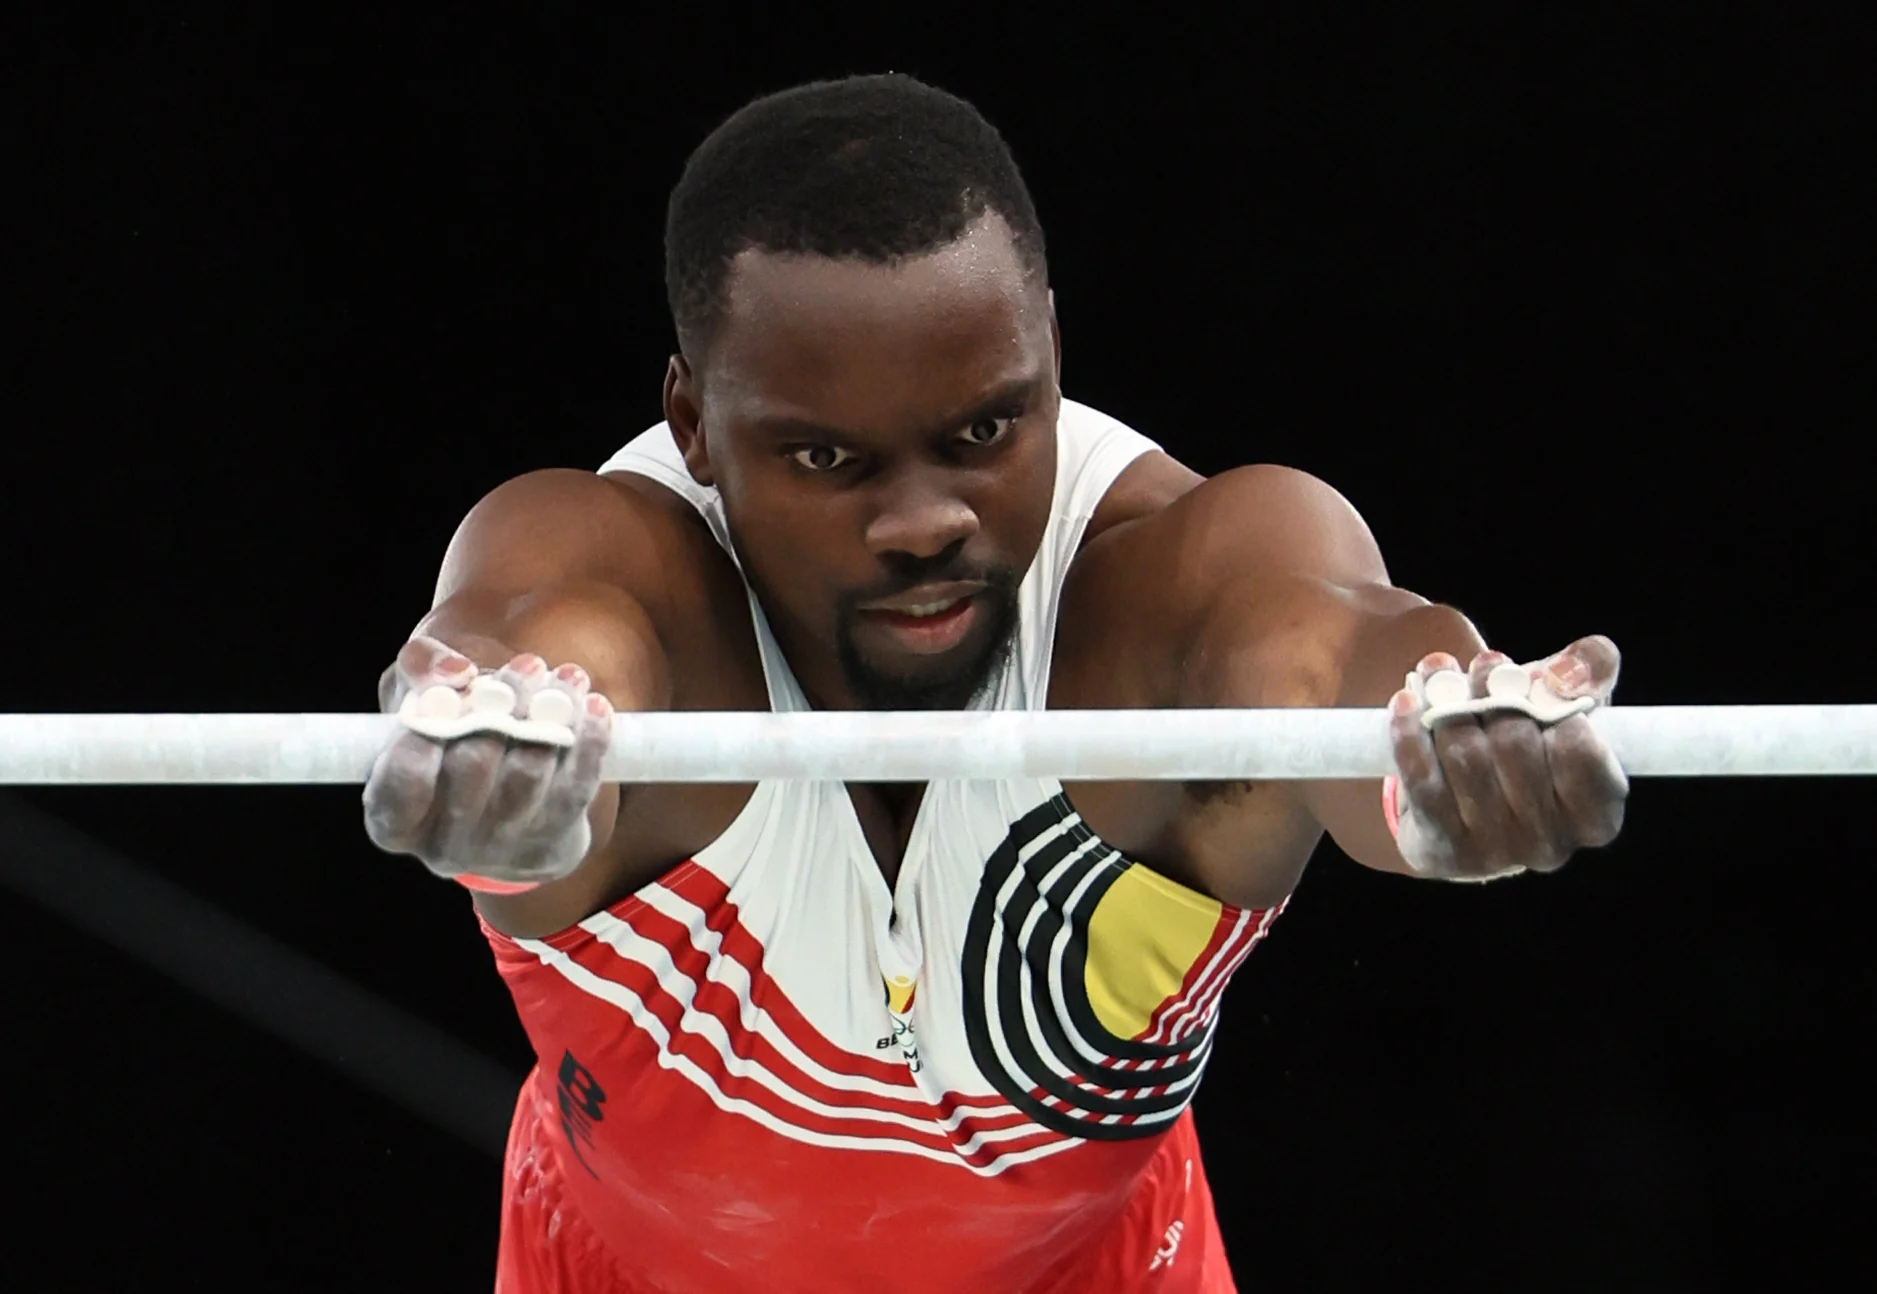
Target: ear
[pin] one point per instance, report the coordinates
(1055, 336)
(684, 414)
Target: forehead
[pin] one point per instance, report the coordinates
(824, 334)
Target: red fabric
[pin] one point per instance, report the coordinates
(1164, 1240)
(626, 1174)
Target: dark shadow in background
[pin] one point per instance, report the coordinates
(265, 984)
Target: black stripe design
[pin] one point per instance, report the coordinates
(996, 953)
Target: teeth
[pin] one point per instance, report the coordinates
(928, 608)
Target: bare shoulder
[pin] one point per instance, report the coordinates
(1145, 486)
(1263, 543)
(560, 527)
(1271, 518)
(613, 572)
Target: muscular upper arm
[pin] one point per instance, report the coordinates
(1279, 521)
(1307, 616)
(558, 527)
(1258, 588)
(569, 567)
(565, 565)
(1253, 569)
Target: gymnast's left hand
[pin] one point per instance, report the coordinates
(1492, 794)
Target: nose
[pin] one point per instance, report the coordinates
(922, 517)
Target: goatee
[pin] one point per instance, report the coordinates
(952, 687)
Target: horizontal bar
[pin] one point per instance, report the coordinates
(892, 746)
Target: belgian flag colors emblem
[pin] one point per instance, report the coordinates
(1091, 983)
(899, 992)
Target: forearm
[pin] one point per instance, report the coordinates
(602, 630)
(1294, 607)
(1382, 650)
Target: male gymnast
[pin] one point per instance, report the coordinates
(808, 1036)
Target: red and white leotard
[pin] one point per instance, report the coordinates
(765, 1071)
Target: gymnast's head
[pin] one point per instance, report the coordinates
(867, 372)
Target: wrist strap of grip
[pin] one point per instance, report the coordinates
(489, 885)
(1391, 804)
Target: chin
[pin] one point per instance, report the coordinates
(948, 682)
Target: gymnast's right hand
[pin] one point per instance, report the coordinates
(483, 805)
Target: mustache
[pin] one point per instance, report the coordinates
(1001, 580)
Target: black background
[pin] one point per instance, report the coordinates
(1572, 306)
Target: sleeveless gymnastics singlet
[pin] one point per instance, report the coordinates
(765, 1071)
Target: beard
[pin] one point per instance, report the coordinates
(941, 682)
(949, 682)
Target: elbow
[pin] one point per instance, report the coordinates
(1389, 645)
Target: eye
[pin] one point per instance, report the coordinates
(989, 430)
(820, 458)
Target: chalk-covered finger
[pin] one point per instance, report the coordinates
(425, 660)
(519, 806)
(1592, 788)
(1479, 672)
(421, 664)
(1466, 767)
(522, 785)
(562, 696)
(523, 676)
(467, 779)
(1588, 667)
(1533, 836)
(400, 792)
(578, 780)
(1423, 789)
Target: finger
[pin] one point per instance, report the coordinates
(1592, 789)
(464, 785)
(523, 782)
(400, 791)
(1519, 816)
(518, 803)
(424, 662)
(1440, 798)
(424, 657)
(570, 682)
(1534, 837)
(1423, 789)
(578, 780)
(1466, 765)
(1588, 667)
(558, 697)
(524, 675)
(1433, 663)
(528, 769)
(1480, 669)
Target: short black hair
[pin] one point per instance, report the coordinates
(871, 167)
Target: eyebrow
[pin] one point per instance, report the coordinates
(997, 400)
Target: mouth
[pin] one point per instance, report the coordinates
(927, 620)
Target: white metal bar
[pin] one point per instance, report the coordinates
(1092, 745)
